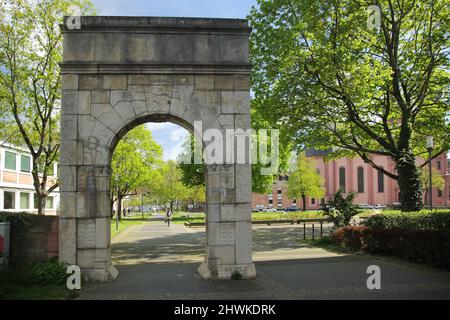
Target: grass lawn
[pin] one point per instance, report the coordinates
(367, 213)
(256, 216)
(11, 289)
(127, 222)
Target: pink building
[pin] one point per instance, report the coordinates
(372, 186)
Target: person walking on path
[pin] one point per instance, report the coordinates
(168, 216)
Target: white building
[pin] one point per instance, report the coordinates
(17, 192)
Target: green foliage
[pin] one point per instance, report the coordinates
(411, 220)
(236, 275)
(50, 272)
(418, 245)
(304, 181)
(343, 209)
(331, 83)
(135, 161)
(30, 81)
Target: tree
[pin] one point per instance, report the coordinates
(195, 195)
(341, 209)
(30, 51)
(304, 181)
(438, 181)
(167, 185)
(194, 174)
(330, 82)
(135, 162)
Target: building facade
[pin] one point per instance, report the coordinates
(17, 192)
(372, 186)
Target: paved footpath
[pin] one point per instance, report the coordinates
(159, 262)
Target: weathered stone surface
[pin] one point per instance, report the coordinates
(169, 69)
(69, 81)
(68, 240)
(141, 48)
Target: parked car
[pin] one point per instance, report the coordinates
(379, 206)
(271, 210)
(290, 209)
(255, 210)
(365, 206)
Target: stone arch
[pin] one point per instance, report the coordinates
(119, 72)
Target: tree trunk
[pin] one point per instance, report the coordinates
(304, 202)
(409, 182)
(171, 206)
(40, 203)
(119, 206)
(112, 207)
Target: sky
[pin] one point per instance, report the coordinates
(168, 135)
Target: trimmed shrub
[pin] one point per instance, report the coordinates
(411, 220)
(49, 272)
(426, 246)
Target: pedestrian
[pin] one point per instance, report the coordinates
(168, 216)
(129, 211)
(124, 211)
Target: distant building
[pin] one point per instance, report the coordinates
(16, 182)
(372, 187)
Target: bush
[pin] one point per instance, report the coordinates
(49, 272)
(341, 209)
(426, 246)
(411, 221)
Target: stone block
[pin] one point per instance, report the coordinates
(241, 82)
(67, 177)
(91, 82)
(204, 82)
(68, 204)
(118, 96)
(115, 82)
(86, 258)
(84, 102)
(234, 49)
(243, 242)
(141, 48)
(183, 80)
(205, 49)
(78, 47)
(139, 79)
(235, 102)
(101, 232)
(100, 97)
(69, 127)
(243, 212)
(242, 121)
(213, 196)
(96, 135)
(221, 233)
(69, 81)
(227, 195)
(212, 212)
(86, 237)
(125, 110)
(243, 180)
(227, 213)
(226, 254)
(223, 82)
(106, 114)
(175, 48)
(69, 154)
(140, 108)
(68, 240)
(105, 51)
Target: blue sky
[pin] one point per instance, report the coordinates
(169, 135)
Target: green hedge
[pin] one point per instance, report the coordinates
(411, 221)
(425, 246)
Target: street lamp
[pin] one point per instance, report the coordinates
(430, 146)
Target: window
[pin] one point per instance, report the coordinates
(342, 178)
(49, 202)
(360, 179)
(380, 182)
(9, 200)
(279, 191)
(24, 200)
(10, 160)
(25, 163)
(439, 193)
(313, 201)
(438, 165)
(294, 201)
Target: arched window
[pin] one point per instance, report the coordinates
(360, 179)
(380, 181)
(342, 178)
